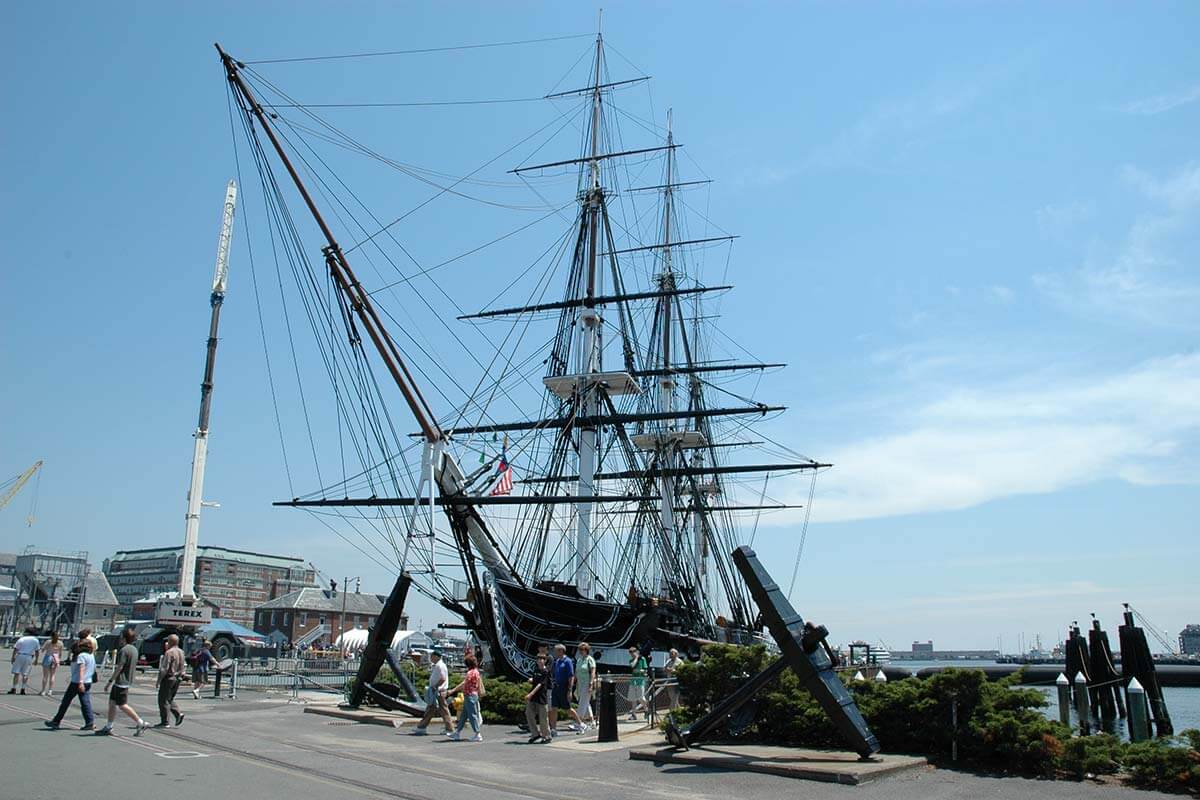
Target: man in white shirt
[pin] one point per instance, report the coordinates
(435, 694)
(22, 659)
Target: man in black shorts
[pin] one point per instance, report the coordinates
(119, 682)
(562, 674)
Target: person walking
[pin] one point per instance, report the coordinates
(24, 650)
(170, 674)
(120, 682)
(473, 689)
(586, 683)
(674, 662)
(637, 682)
(435, 694)
(562, 675)
(536, 700)
(204, 661)
(51, 653)
(83, 675)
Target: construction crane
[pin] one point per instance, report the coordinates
(14, 486)
(186, 607)
(1154, 631)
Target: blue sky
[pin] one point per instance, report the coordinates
(970, 229)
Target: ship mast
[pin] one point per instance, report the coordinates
(666, 383)
(589, 352)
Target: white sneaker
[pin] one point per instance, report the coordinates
(195, 694)
(141, 728)
(453, 736)
(477, 737)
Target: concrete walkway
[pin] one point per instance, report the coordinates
(259, 746)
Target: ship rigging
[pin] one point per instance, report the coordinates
(610, 513)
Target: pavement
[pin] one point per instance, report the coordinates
(260, 745)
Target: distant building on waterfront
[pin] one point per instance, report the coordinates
(235, 582)
(1189, 640)
(99, 604)
(313, 615)
(8, 570)
(923, 651)
(8, 591)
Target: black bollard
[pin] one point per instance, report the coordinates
(607, 711)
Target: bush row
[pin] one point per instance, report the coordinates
(1000, 725)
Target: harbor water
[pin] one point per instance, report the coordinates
(1183, 703)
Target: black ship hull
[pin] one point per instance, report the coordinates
(527, 620)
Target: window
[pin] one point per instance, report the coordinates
(322, 619)
(303, 617)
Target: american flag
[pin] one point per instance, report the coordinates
(505, 484)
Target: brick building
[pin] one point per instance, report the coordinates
(313, 615)
(235, 582)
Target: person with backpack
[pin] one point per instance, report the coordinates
(473, 689)
(203, 661)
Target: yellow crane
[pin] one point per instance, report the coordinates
(14, 485)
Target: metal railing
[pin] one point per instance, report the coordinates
(645, 701)
(295, 675)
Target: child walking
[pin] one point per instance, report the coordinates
(472, 689)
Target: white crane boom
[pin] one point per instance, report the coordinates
(182, 612)
(18, 482)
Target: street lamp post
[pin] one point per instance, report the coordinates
(342, 624)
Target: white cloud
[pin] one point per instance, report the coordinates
(1061, 219)
(1001, 294)
(1036, 435)
(1163, 102)
(1150, 277)
(885, 131)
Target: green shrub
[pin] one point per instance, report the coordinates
(1101, 754)
(998, 724)
(504, 703)
(1164, 763)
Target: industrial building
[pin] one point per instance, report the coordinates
(1189, 640)
(51, 589)
(235, 582)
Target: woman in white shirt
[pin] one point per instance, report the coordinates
(83, 675)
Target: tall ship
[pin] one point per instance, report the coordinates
(574, 462)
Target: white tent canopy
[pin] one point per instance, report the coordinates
(353, 642)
